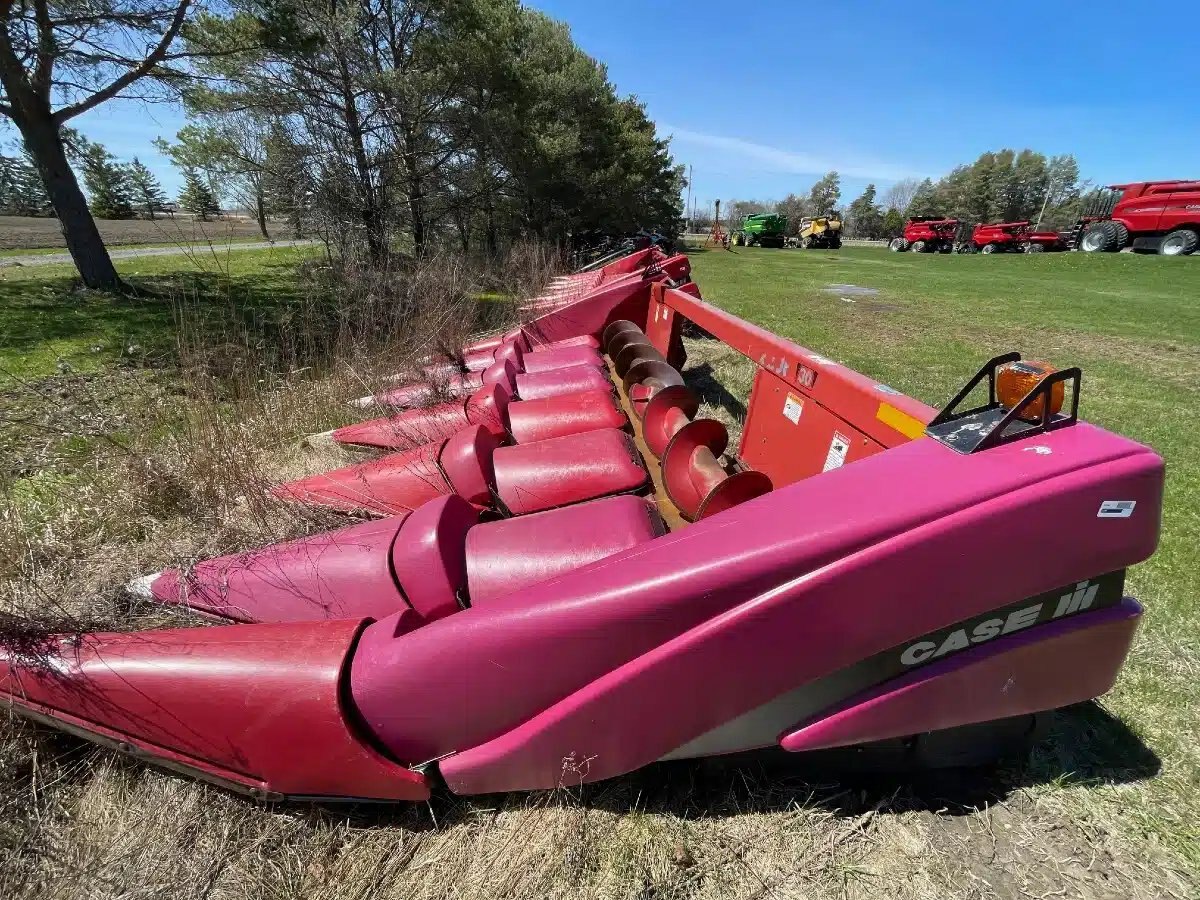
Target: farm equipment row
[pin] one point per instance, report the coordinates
(928, 234)
(1146, 217)
(560, 569)
(770, 230)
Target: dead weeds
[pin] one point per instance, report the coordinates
(187, 479)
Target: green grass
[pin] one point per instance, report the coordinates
(1133, 324)
(1130, 322)
(48, 322)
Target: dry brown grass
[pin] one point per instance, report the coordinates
(177, 468)
(189, 482)
(94, 825)
(721, 377)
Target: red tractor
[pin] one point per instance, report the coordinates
(1010, 237)
(926, 234)
(1148, 216)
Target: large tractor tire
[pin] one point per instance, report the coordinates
(835, 243)
(1179, 243)
(1103, 237)
(1034, 248)
(917, 246)
(898, 245)
(989, 248)
(967, 247)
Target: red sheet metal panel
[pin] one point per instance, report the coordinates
(393, 484)
(428, 556)
(506, 556)
(880, 412)
(790, 436)
(336, 574)
(258, 708)
(1055, 665)
(538, 420)
(664, 327)
(561, 382)
(539, 361)
(563, 470)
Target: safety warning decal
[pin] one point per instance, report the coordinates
(1116, 509)
(792, 409)
(838, 448)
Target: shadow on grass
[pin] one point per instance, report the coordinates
(703, 380)
(1086, 747)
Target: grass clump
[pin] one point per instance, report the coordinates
(182, 446)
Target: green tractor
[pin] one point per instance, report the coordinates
(763, 229)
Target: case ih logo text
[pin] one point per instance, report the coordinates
(936, 646)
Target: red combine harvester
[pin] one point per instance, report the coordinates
(1010, 237)
(1149, 216)
(571, 574)
(926, 234)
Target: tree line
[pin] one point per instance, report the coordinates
(115, 189)
(999, 186)
(380, 123)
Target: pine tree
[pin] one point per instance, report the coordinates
(147, 192)
(196, 196)
(825, 194)
(893, 223)
(21, 190)
(795, 208)
(924, 201)
(864, 215)
(287, 184)
(8, 186)
(31, 189)
(108, 184)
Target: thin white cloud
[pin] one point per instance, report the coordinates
(777, 159)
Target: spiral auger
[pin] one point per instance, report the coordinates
(690, 450)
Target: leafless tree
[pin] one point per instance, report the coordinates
(900, 195)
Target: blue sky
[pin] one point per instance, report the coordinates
(763, 97)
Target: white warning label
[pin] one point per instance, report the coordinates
(792, 408)
(838, 448)
(1116, 509)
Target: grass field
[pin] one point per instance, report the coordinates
(1107, 808)
(47, 322)
(1133, 325)
(32, 234)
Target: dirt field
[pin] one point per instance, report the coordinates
(26, 233)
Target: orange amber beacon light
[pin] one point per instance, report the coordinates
(1015, 380)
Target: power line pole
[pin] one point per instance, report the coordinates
(688, 206)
